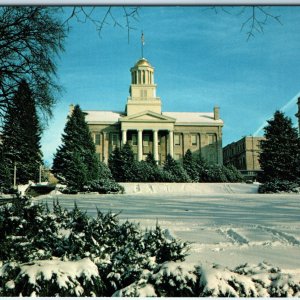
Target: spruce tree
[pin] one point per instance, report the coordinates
(150, 160)
(21, 136)
(280, 152)
(128, 163)
(190, 166)
(115, 164)
(75, 163)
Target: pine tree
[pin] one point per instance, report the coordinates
(280, 152)
(128, 163)
(189, 164)
(175, 169)
(150, 160)
(75, 162)
(202, 169)
(115, 164)
(21, 136)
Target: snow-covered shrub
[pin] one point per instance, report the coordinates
(50, 277)
(174, 279)
(277, 186)
(34, 238)
(217, 281)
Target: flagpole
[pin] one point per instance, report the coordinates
(142, 44)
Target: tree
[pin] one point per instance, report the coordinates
(75, 162)
(115, 164)
(175, 169)
(190, 166)
(31, 39)
(280, 152)
(122, 164)
(21, 136)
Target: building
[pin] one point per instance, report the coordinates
(148, 129)
(244, 155)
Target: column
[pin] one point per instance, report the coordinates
(140, 145)
(124, 137)
(171, 143)
(155, 145)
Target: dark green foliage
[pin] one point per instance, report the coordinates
(5, 175)
(21, 137)
(75, 163)
(202, 169)
(276, 186)
(122, 164)
(115, 164)
(233, 174)
(280, 152)
(150, 160)
(190, 166)
(175, 169)
(121, 251)
(106, 183)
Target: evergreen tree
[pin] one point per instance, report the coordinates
(21, 136)
(75, 162)
(280, 152)
(115, 164)
(202, 169)
(175, 169)
(150, 159)
(189, 164)
(122, 164)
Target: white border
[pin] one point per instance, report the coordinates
(149, 2)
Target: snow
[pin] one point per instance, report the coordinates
(227, 224)
(193, 117)
(65, 272)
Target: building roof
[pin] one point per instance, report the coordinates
(182, 118)
(200, 118)
(103, 116)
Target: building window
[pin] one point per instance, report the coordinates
(134, 139)
(176, 139)
(115, 139)
(212, 139)
(194, 139)
(146, 140)
(97, 138)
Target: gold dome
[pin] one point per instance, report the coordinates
(143, 62)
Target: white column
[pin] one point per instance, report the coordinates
(140, 145)
(171, 143)
(155, 145)
(124, 137)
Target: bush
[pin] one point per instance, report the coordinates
(67, 253)
(276, 186)
(177, 172)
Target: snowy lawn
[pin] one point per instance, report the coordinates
(228, 224)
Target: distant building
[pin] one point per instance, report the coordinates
(244, 155)
(148, 129)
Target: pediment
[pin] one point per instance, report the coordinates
(147, 116)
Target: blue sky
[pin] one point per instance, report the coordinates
(201, 59)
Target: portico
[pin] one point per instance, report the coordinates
(150, 122)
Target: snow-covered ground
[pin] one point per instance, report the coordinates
(228, 224)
